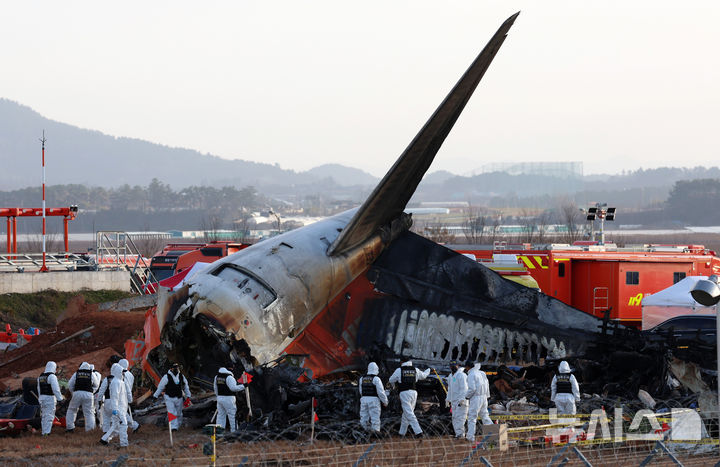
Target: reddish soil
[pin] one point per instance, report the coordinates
(150, 446)
(112, 329)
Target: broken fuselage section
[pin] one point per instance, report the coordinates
(392, 298)
(358, 284)
(248, 307)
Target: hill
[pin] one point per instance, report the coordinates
(89, 157)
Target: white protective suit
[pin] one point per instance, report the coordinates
(565, 401)
(97, 380)
(117, 405)
(408, 399)
(105, 410)
(82, 398)
(457, 389)
(370, 403)
(129, 382)
(226, 405)
(174, 404)
(478, 393)
(49, 397)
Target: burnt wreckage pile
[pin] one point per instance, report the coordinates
(282, 405)
(434, 305)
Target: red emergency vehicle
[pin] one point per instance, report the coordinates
(595, 278)
(176, 257)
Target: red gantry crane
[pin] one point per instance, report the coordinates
(12, 214)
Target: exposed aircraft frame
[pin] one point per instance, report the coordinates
(359, 283)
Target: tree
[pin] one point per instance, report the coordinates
(476, 219)
(438, 233)
(159, 195)
(570, 217)
(528, 227)
(211, 227)
(543, 220)
(692, 201)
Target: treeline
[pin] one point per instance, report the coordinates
(157, 196)
(695, 201)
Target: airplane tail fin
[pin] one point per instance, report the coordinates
(391, 195)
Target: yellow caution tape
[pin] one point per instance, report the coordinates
(625, 439)
(538, 416)
(539, 427)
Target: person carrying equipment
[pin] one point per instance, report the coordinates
(174, 386)
(225, 388)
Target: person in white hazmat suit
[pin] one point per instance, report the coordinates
(477, 395)
(83, 385)
(372, 394)
(48, 395)
(175, 386)
(225, 387)
(97, 380)
(406, 376)
(117, 405)
(129, 382)
(565, 390)
(104, 409)
(457, 389)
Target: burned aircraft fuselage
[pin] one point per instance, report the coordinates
(268, 293)
(359, 282)
(413, 298)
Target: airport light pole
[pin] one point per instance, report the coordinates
(277, 216)
(707, 293)
(602, 212)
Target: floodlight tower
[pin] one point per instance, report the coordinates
(602, 212)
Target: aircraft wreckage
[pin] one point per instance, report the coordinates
(360, 285)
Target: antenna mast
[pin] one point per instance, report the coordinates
(42, 140)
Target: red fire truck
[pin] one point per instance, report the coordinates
(176, 257)
(596, 278)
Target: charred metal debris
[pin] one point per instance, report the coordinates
(432, 305)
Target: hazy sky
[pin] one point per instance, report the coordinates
(616, 84)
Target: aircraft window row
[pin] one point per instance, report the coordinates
(247, 282)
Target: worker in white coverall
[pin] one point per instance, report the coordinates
(225, 388)
(175, 386)
(117, 404)
(477, 395)
(48, 395)
(565, 390)
(372, 394)
(129, 379)
(406, 376)
(83, 385)
(457, 389)
(97, 380)
(104, 409)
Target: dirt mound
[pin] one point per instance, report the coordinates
(76, 307)
(111, 329)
